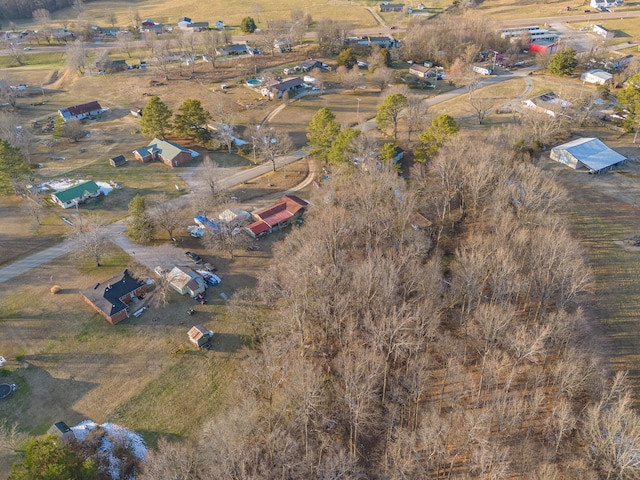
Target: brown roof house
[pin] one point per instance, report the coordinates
(186, 280)
(275, 217)
(169, 153)
(419, 70)
(199, 336)
(113, 301)
(78, 112)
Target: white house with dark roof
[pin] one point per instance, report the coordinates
(78, 112)
(278, 89)
(597, 77)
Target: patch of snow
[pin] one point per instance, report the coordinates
(114, 433)
(64, 183)
(105, 188)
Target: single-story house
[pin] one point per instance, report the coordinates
(169, 153)
(419, 70)
(112, 66)
(113, 301)
(117, 161)
(543, 46)
(277, 90)
(61, 430)
(233, 49)
(382, 42)
(391, 7)
(78, 112)
(597, 76)
(136, 112)
(548, 103)
(155, 28)
(185, 23)
(61, 33)
(186, 280)
(308, 65)
(589, 153)
(602, 31)
(76, 195)
(275, 217)
(603, 3)
(199, 336)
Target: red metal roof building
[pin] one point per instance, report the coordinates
(277, 216)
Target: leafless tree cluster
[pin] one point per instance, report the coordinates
(332, 34)
(384, 349)
(448, 38)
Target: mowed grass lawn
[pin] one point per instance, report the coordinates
(493, 96)
(69, 364)
(295, 118)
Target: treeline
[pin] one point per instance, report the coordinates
(20, 9)
(386, 351)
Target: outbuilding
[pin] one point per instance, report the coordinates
(199, 336)
(117, 161)
(587, 153)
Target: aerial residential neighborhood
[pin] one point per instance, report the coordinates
(345, 240)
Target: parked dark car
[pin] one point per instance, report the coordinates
(193, 256)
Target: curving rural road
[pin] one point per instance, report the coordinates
(149, 256)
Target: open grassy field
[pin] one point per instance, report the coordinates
(494, 95)
(229, 12)
(509, 9)
(603, 211)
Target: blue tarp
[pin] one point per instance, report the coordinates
(206, 222)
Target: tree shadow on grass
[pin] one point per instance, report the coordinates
(40, 399)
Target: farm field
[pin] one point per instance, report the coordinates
(229, 12)
(603, 212)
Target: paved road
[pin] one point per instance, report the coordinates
(146, 255)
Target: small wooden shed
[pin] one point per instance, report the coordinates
(117, 161)
(61, 429)
(199, 336)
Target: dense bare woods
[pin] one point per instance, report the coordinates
(385, 351)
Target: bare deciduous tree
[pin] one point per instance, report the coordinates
(90, 236)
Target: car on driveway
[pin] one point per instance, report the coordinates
(194, 256)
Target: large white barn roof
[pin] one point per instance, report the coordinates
(591, 152)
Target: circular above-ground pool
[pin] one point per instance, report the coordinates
(6, 390)
(254, 82)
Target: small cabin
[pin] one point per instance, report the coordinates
(117, 161)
